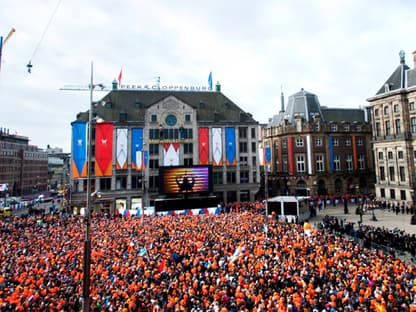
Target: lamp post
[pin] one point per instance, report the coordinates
(143, 173)
(87, 215)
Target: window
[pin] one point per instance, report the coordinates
(403, 195)
(376, 112)
(154, 163)
(299, 142)
(387, 127)
(382, 192)
(285, 166)
(380, 155)
(217, 178)
(284, 143)
(392, 194)
(346, 127)
(138, 105)
(253, 133)
(396, 109)
(335, 142)
(153, 118)
(348, 142)
(188, 148)
(243, 147)
(382, 174)
(400, 154)
(361, 162)
(411, 106)
(337, 163)
(253, 147)
(378, 129)
(391, 173)
(358, 128)
(121, 183)
(244, 177)
(386, 110)
(153, 149)
(349, 162)
(402, 174)
(397, 125)
(254, 161)
(318, 141)
(243, 161)
(319, 163)
(300, 164)
(242, 132)
(360, 141)
(188, 162)
(231, 177)
(390, 155)
(413, 124)
(334, 127)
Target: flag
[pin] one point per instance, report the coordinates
(142, 252)
(120, 75)
(210, 80)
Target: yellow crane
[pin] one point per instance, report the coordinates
(3, 42)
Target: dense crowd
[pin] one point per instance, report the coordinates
(226, 262)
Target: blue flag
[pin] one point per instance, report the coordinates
(210, 80)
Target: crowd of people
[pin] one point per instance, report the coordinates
(236, 261)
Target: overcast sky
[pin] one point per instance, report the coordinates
(342, 51)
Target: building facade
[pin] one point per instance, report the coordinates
(394, 134)
(317, 150)
(58, 168)
(184, 128)
(23, 167)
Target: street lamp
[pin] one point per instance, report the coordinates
(87, 215)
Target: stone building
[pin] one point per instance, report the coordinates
(316, 150)
(394, 133)
(183, 126)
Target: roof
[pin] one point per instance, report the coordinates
(344, 114)
(396, 80)
(304, 104)
(210, 106)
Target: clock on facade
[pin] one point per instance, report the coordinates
(170, 120)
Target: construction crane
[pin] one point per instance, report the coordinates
(3, 42)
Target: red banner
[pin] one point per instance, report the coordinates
(290, 155)
(203, 146)
(103, 149)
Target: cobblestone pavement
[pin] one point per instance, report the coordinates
(385, 218)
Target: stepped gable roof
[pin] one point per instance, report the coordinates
(211, 106)
(304, 104)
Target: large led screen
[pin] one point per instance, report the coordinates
(185, 180)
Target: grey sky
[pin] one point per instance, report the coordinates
(342, 51)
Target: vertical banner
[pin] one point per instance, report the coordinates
(79, 149)
(331, 153)
(261, 156)
(354, 153)
(171, 154)
(121, 148)
(203, 146)
(267, 155)
(103, 149)
(216, 147)
(136, 148)
(290, 155)
(309, 153)
(230, 149)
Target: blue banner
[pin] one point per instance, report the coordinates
(230, 148)
(79, 149)
(136, 147)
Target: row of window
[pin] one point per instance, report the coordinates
(400, 155)
(319, 142)
(393, 194)
(396, 109)
(320, 163)
(392, 173)
(397, 127)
